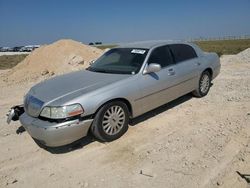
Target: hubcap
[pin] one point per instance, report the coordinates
(113, 120)
(205, 82)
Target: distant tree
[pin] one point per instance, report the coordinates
(98, 43)
(91, 43)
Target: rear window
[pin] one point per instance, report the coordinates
(182, 52)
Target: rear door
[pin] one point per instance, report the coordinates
(186, 68)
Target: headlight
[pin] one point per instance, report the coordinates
(62, 111)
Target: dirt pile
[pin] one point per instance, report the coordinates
(244, 56)
(60, 57)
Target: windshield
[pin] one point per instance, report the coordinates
(120, 61)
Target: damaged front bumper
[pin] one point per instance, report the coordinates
(55, 134)
(14, 113)
(51, 134)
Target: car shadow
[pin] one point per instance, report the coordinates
(160, 109)
(79, 144)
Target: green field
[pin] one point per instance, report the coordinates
(223, 47)
(9, 61)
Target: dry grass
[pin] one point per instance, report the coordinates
(224, 47)
(9, 61)
(103, 47)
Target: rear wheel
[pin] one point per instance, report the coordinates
(111, 121)
(204, 85)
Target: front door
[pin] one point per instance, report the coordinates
(158, 88)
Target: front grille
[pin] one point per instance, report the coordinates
(33, 106)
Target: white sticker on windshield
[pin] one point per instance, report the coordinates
(138, 51)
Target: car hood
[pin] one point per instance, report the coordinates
(73, 85)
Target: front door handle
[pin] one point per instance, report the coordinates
(198, 63)
(171, 72)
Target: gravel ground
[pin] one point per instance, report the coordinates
(189, 142)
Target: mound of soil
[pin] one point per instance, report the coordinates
(244, 56)
(57, 58)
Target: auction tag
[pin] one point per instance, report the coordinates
(138, 51)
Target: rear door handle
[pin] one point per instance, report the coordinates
(171, 72)
(198, 63)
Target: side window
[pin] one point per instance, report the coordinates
(182, 52)
(162, 56)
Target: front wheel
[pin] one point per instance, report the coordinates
(204, 85)
(111, 121)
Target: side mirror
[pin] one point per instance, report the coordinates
(152, 67)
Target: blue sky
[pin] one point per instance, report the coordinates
(110, 21)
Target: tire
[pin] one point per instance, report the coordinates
(204, 85)
(111, 121)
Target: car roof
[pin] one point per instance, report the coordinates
(150, 44)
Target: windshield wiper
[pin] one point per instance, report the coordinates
(97, 70)
(107, 71)
(102, 71)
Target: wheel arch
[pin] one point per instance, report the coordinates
(128, 104)
(210, 70)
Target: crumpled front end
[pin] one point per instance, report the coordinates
(50, 133)
(55, 134)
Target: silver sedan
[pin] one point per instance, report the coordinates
(124, 83)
